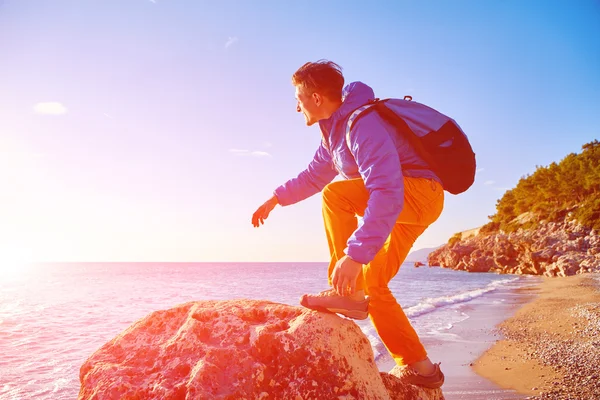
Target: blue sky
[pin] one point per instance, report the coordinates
(145, 130)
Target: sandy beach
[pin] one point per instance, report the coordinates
(538, 342)
(550, 348)
(468, 340)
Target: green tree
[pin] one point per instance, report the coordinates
(573, 183)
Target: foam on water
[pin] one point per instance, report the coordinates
(431, 304)
(436, 316)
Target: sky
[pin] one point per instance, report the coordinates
(151, 130)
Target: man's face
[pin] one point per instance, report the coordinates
(308, 104)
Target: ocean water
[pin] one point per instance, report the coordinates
(54, 316)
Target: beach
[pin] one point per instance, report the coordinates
(540, 341)
(467, 340)
(550, 348)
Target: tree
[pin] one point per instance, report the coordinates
(573, 183)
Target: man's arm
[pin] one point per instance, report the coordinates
(312, 180)
(379, 166)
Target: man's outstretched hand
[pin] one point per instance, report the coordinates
(259, 216)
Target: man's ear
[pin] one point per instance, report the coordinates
(317, 99)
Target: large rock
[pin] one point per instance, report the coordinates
(241, 349)
(551, 249)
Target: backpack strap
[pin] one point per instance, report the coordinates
(395, 121)
(357, 114)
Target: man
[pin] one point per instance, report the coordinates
(396, 206)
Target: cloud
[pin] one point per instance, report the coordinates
(50, 108)
(152, 1)
(231, 41)
(108, 116)
(480, 170)
(244, 152)
(489, 182)
(260, 154)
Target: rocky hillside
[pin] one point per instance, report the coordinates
(551, 249)
(549, 224)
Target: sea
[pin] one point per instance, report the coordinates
(54, 316)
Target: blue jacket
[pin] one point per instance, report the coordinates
(376, 155)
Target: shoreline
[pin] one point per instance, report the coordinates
(551, 346)
(458, 347)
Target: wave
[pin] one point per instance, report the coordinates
(431, 304)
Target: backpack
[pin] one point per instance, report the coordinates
(436, 137)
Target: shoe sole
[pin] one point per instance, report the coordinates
(435, 385)
(354, 314)
(429, 385)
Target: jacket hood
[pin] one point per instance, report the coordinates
(354, 95)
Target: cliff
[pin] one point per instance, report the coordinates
(550, 249)
(241, 349)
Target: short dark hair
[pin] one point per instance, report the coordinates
(321, 76)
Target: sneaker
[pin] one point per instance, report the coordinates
(331, 302)
(433, 381)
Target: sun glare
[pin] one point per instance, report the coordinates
(12, 263)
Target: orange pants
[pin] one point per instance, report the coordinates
(423, 203)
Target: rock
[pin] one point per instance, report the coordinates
(241, 349)
(543, 256)
(551, 249)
